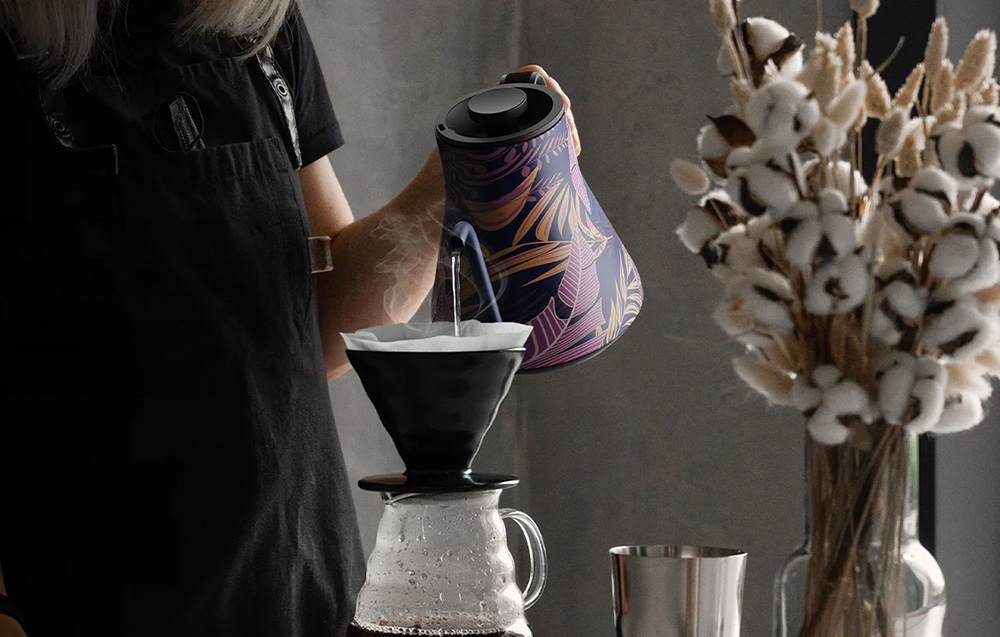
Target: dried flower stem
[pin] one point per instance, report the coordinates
(872, 486)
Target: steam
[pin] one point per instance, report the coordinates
(415, 240)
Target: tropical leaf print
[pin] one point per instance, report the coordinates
(527, 256)
(627, 299)
(579, 290)
(552, 335)
(580, 286)
(543, 206)
(496, 214)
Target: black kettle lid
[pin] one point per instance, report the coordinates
(519, 108)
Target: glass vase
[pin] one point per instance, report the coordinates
(861, 570)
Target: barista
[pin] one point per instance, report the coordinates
(168, 460)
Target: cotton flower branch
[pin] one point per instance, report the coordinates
(855, 299)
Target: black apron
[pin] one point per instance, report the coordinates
(173, 467)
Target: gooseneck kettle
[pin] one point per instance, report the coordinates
(550, 258)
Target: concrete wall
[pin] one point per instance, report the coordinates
(654, 441)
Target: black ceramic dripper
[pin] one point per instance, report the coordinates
(437, 407)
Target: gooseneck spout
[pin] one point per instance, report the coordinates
(463, 237)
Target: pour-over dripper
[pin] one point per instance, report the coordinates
(437, 407)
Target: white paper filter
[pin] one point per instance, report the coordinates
(439, 337)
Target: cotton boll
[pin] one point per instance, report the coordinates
(732, 252)
(754, 306)
(911, 392)
(895, 382)
(837, 287)
(814, 239)
(900, 301)
(759, 183)
(825, 428)
(969, 376)
(839, 239)
(699, 229)
(840, 402)
(956, 246)
(971, 161)
(746, 317)
(838, 176)
(826, 376)
(982, 131)
(832, 201)
(956, 330)
(965, 255)
(765, 38)
(925, 205)
(847, 398)
(713, 150)
(782, 114)
(949, 145)
(962, 411)
(988, 205)
(935, 181)
(769, 299)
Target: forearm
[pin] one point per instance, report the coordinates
(383, 265)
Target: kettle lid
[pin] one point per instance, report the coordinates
(519, 108)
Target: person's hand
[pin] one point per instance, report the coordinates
(9, 627)
(554, 85)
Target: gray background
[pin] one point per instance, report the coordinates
(654, 441)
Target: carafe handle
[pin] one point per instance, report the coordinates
(536, 555)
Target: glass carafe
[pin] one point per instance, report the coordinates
(441, 566)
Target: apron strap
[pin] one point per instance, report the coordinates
(102, 159)
(272, 71)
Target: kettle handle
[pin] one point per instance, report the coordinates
(532, 77)
(537, 559)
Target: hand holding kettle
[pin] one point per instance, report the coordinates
(554, 85)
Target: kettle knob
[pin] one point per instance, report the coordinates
(498, 105)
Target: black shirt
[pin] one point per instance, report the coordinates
(137, 45)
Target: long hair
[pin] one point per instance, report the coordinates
(61, 36)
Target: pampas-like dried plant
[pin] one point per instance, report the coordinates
(907, 93)
(978, 63)
(937, 47)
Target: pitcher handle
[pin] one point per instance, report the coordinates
(536, 555)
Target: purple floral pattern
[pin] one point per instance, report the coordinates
(554, 259)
